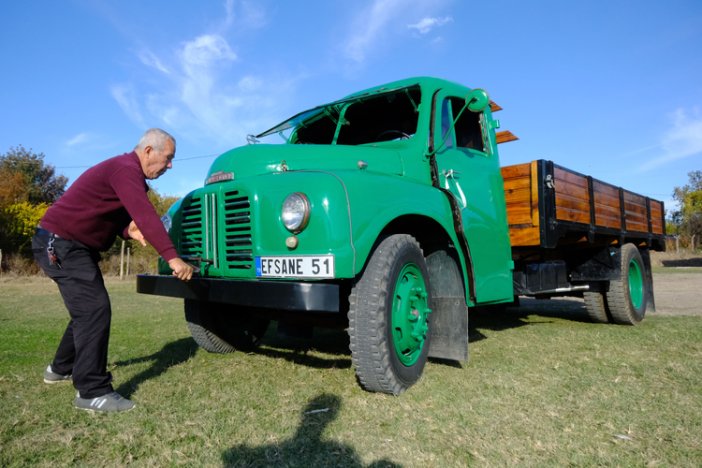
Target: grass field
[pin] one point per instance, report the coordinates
(540, 389)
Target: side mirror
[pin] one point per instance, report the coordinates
(477, 100)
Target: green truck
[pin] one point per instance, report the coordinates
(387, 213)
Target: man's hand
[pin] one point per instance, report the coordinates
(135, 233)
(181, 270)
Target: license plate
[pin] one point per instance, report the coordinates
(303, 266)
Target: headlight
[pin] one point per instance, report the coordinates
(296, 212)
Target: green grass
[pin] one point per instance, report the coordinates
(541, 388)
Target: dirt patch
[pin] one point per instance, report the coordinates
(679, 292)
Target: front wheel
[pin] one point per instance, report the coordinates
(218, 328)
(389, 317)
(628, 294)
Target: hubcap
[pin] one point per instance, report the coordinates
(636, 284)
(410, 312)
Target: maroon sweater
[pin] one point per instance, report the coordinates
(101, 203)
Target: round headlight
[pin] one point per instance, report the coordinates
(296, 212)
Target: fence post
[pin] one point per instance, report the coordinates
(129, 254)
(121, 261)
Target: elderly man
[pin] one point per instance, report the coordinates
(107, 200)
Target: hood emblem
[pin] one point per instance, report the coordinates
(219, 176)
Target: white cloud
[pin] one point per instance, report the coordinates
(205, 51)
(682, 140)
(369, 25)
(376, 26)
(200, 90)
(149, 59)
(245, 14)
(128, 101)
(229, 10)
(250, 83)
(77, 140)
(427, 24)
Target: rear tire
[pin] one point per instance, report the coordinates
(218, 328)
(596, 306)
(628, 295)
(389, 317)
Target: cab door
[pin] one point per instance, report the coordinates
(468, 167)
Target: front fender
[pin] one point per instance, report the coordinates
(375, 201)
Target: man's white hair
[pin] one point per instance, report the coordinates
(155, 137)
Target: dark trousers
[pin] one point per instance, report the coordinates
(83, 348)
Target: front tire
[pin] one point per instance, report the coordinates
(628, 294)
(217, 328)
(389, 317)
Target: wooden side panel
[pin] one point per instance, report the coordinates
(656, 217)
(572, 197)
(577, 208)
(635, 212)
(505, 136)
(522, 197)
(607, 207)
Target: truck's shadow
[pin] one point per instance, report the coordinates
(306, 447)
(505, 318)
(329, 348)
(335, 342)
(683, 262)
(332, 342)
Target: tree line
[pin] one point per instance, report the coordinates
(28, 186)
(686, 222)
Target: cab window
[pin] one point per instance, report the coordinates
(467, 129)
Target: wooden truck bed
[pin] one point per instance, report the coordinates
(549, 205)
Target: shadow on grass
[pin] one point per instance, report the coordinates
(505, 318)
(170, 355)
(335, 342)
(298, 349)
(307, 447)
(683, 262)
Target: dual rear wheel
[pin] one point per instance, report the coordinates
(626, 299)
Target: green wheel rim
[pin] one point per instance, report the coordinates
(636, 284)
(410, 312)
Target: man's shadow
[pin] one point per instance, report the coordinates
(306, 447)
(170, 355)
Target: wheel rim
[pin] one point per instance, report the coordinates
(409, 314)
(636, 284)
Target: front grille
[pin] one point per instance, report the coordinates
(237, 231)
(205, 220)
(191, 237)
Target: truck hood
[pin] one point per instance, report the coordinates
(251, 160)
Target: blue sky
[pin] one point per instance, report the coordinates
(608, 88)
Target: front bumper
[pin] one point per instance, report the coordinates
(278, 295)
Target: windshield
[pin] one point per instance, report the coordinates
(370, 118)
